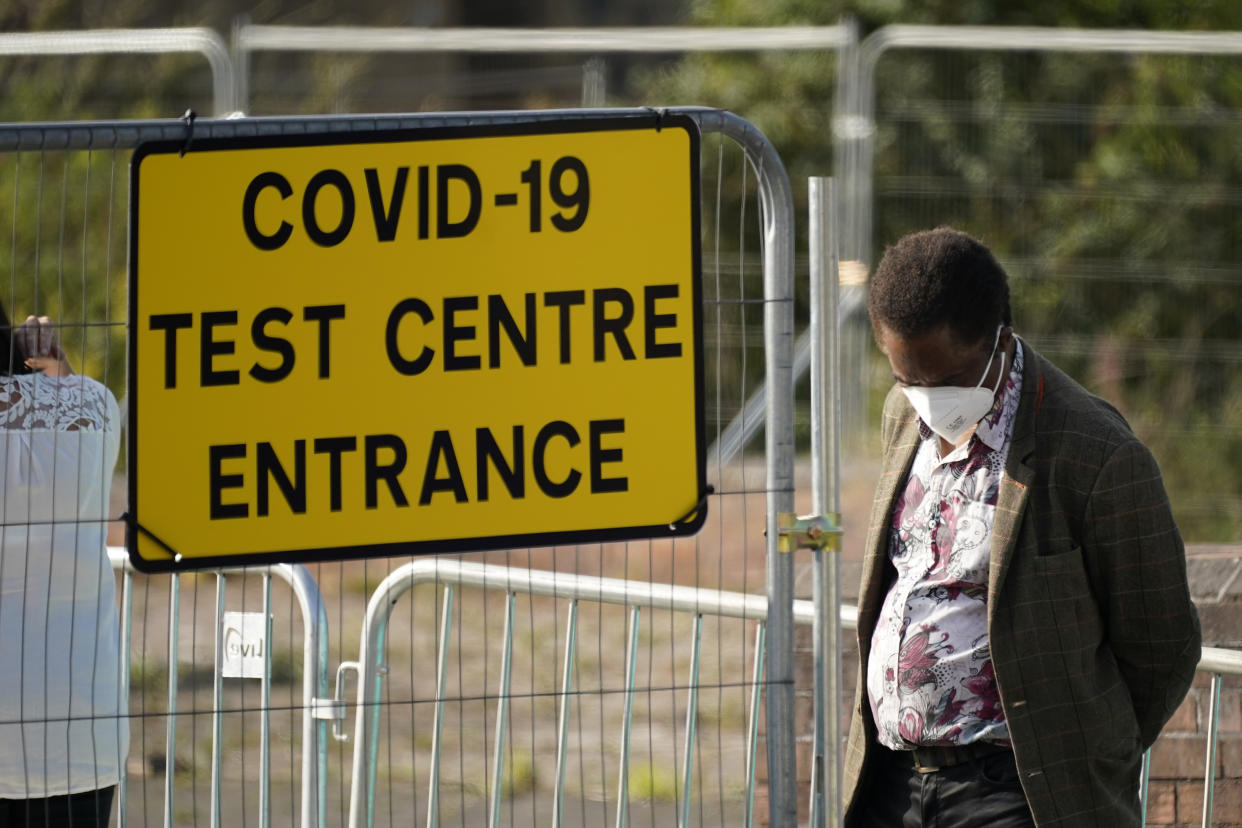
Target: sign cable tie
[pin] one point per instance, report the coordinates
(188, 118)
(696, 508)
(129, 521)
(659, 113)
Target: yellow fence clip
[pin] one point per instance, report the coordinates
(808, 532)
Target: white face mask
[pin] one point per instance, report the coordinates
(950, 411)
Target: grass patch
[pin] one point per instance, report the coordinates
(148, 676)
(519, 776)
(652, 783)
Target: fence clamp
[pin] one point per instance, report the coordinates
(330, 709)
(808, 532)
(334, 708)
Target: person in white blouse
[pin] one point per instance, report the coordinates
(64, 728)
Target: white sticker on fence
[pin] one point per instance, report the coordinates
(245, 642)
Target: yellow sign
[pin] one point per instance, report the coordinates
(420, 341)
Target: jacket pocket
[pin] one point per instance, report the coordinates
(1069, 601)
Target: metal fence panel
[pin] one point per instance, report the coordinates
(612, 749)
(376, 68)
(205, 43)
(469, 670)
(1101, 168)
(222, 751)
(208, 748)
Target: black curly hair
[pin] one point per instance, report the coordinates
(939, 277)
(12, 359)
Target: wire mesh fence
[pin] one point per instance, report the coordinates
(479, 686)
(1103, 175)
(1102, 170)
(114, 73)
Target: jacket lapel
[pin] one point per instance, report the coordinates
(1016, 481)
(893, 473)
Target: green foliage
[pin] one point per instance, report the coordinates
(1109, 185)
(65, 217)
(1110, 190)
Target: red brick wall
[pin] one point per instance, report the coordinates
(1179, 757)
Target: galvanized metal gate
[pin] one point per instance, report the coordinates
(722, 676)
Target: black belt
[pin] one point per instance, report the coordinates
(933, 758)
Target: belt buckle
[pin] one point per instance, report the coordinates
(928, 762)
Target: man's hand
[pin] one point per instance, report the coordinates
(40, 341)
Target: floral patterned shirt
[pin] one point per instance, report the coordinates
(930, 676)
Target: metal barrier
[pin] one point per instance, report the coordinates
(1017, 142)
(842, 38)
(826, 317)
(785, 359)
(1218, 663)
(200, 41)
(635, 596)
(776, 202)
(771, 224)
(251, 38)
(776, 243)
(575, 589)
(857, 103)
(317, 705)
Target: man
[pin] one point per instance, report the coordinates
(1025, 627)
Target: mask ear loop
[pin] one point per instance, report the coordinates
(992, 356)
(1001, 376)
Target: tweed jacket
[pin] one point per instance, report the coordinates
(1094, 638)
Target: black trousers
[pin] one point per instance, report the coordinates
(978, 793)
(89, 809)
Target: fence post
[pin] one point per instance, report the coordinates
(826, 499)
